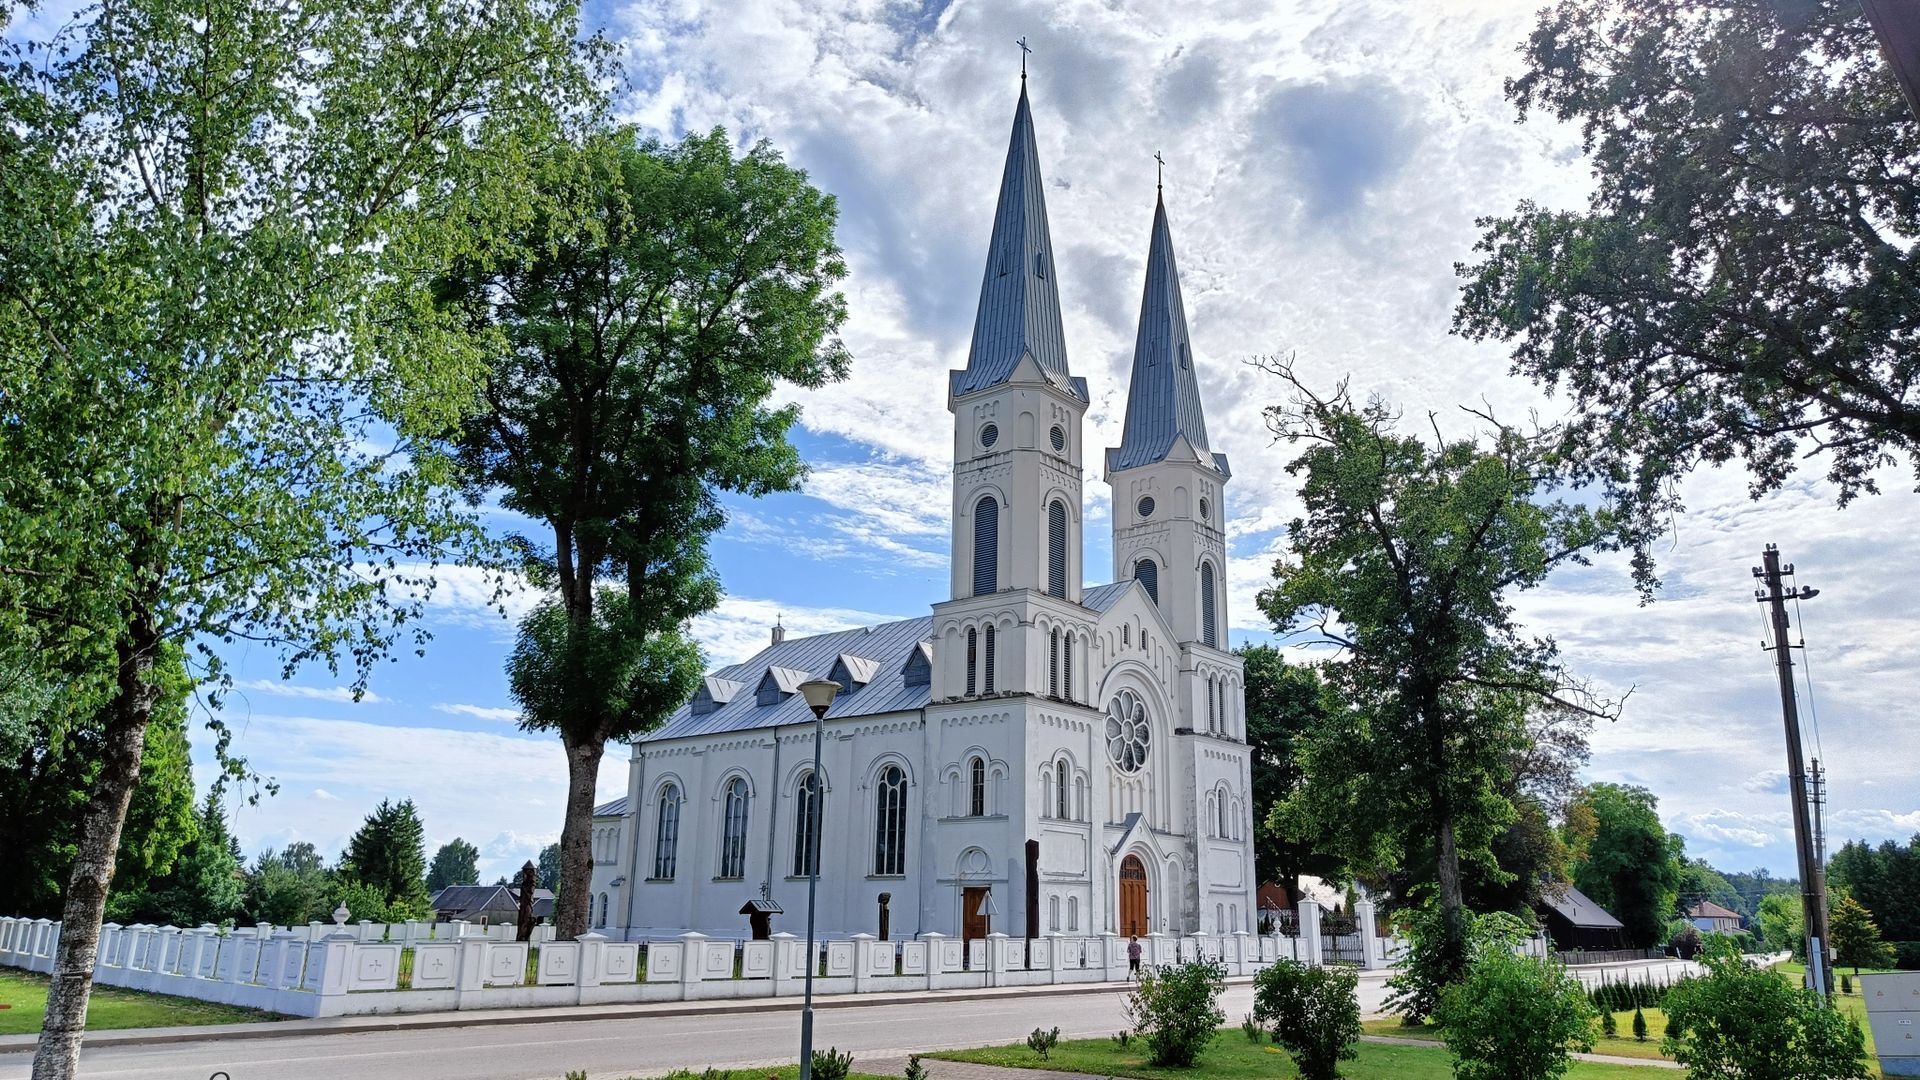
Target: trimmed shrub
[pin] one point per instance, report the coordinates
(1434, 958)
(1313, 1013)
(1514, 1018)
(1177, 1010)
(831, 1065)
(1639, 1026)
(1122, 1039)
(1043, 1042)
(1739, 1022)
(1608, 1025)
(1251, 1029)
(915, 1070)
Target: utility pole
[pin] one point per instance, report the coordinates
(1813, 874)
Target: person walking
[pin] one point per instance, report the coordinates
(1133, 959)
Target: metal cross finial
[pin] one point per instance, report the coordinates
(1024, 50)
(1159, 171)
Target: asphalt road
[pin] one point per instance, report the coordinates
(633, 1047)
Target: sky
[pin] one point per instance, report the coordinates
(1325, 163)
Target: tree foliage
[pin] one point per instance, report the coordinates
(456, 863)
(1783, 924)
(1313, 1012)
(1740, 1022)
(1884, 878)
(220, 376)
(1284, 702)
(201, 886)
(387, 854)
(288, 888)
(1406, 560)
(1742, 284)
(1856, 938)
(1624, 859)
(1514, 1017)
(1176, 1009)
(640, 341)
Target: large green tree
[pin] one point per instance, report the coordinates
(1856, 938)
(1886, 879)
(287, 888)
(456, 863)
(1624, 859)
(203, 884)
(1284, 701)
(220, 378)
(639, 348)
(388, 855)
(1406, 559)
(1743, 283)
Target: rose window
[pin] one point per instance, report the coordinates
(1128, 734)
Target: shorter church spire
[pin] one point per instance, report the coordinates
(1163, 398)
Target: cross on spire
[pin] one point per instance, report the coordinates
(1024, 50)
(1159, 171)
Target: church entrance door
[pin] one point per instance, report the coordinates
(973, 924)
(1133, 897)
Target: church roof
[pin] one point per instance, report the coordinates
(887, 647)
(1101, 597)
(614, 808)
(1163, 398)
(1019, 294)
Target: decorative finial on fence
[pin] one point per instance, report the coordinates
(340, 916)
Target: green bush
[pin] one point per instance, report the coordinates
(1434, 958)
(1251, 1029)
(1043, 1042)
(831, 1065)
(1123, 1039)
(1312, 1012)
(1846, 984)
(1177, 1010)
(1906, 955)
(1608, 1025)
(1514, 1017)
(915, 1070)
(1739, 1022)
(1639, 1025)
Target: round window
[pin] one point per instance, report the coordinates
(1204, 516)
(1146, 506)
(1128, 735)
(988, 436)
(1059, 436)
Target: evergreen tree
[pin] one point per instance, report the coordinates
(1886, 880)
(548, 868)
(388, 856)
(1856, 939)
(287, 888)
(202, 886)
(456, 863)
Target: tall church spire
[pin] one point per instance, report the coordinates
(1163, 398)
(1019, 296)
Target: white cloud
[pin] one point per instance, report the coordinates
(741, 627)
(481, 712)
(342, 694)
(324, 795)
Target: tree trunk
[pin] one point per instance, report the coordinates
(575, 903)
(58, 1056)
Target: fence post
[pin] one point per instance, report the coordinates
(1310, 943)
(1364, 924)
(692, 956)
(592, 953)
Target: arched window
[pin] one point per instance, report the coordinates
(666, 836)
(1053, 663)
(1226, 813)
(890, 822)
(973, 653)
(977, 788)
(600, 918)
(1057, 548)
(1053, 913)
(806, 826)
(733, 833)
(1063, 772)
(1212, 724)
(1080, 798)
(1209, 633)
(1073, 913)
(1219, 918)
(986, 545)
(986, 683)
(1147, 573)
(1066, 669)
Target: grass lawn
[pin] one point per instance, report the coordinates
(790, 1072)
(111, 1007)
(1232, 1057)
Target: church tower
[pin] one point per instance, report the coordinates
(1168, 484)
(1017, 412)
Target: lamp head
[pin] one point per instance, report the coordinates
(819, 694)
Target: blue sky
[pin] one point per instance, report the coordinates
(1326, 159)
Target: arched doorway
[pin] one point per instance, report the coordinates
(1133, 897)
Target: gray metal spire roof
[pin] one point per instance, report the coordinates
(1163, 399)
(1019, 294)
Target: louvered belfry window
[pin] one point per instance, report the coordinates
(1066, 669)
(1053, 663)
(973, 654)
(986, 682)
(1209, 634)
(1057, 549)
(986, 546)
(1147, 572)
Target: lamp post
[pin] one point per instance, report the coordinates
(819, 695)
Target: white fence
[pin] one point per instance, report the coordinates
(342, 971)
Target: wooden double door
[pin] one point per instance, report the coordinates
(1133, 897)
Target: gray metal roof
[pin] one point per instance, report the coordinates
(1163, 398)
(1579, 909)
(1019, 294)
(888, 646)
(1101, 597)
(615, 808)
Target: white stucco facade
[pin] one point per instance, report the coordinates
(1075, 753)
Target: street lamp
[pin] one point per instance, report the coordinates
(819, 695)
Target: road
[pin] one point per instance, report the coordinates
(639, 1046)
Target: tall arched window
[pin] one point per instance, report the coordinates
(1147, 573)
(1066, 669)
(1212, 722)
(890, 822)
(600, 918)
(986, 683)
(733, 833)
(806, 826)
(977, 788)
(1057, 548)
(973, 655)
(1064, 800)
(1053, 914)
(1226, 811)
(1209, 633)
(986, 545)
(666, 836)
(1053, 663)
(1073, 913)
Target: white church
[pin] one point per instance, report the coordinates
(1033, 757)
